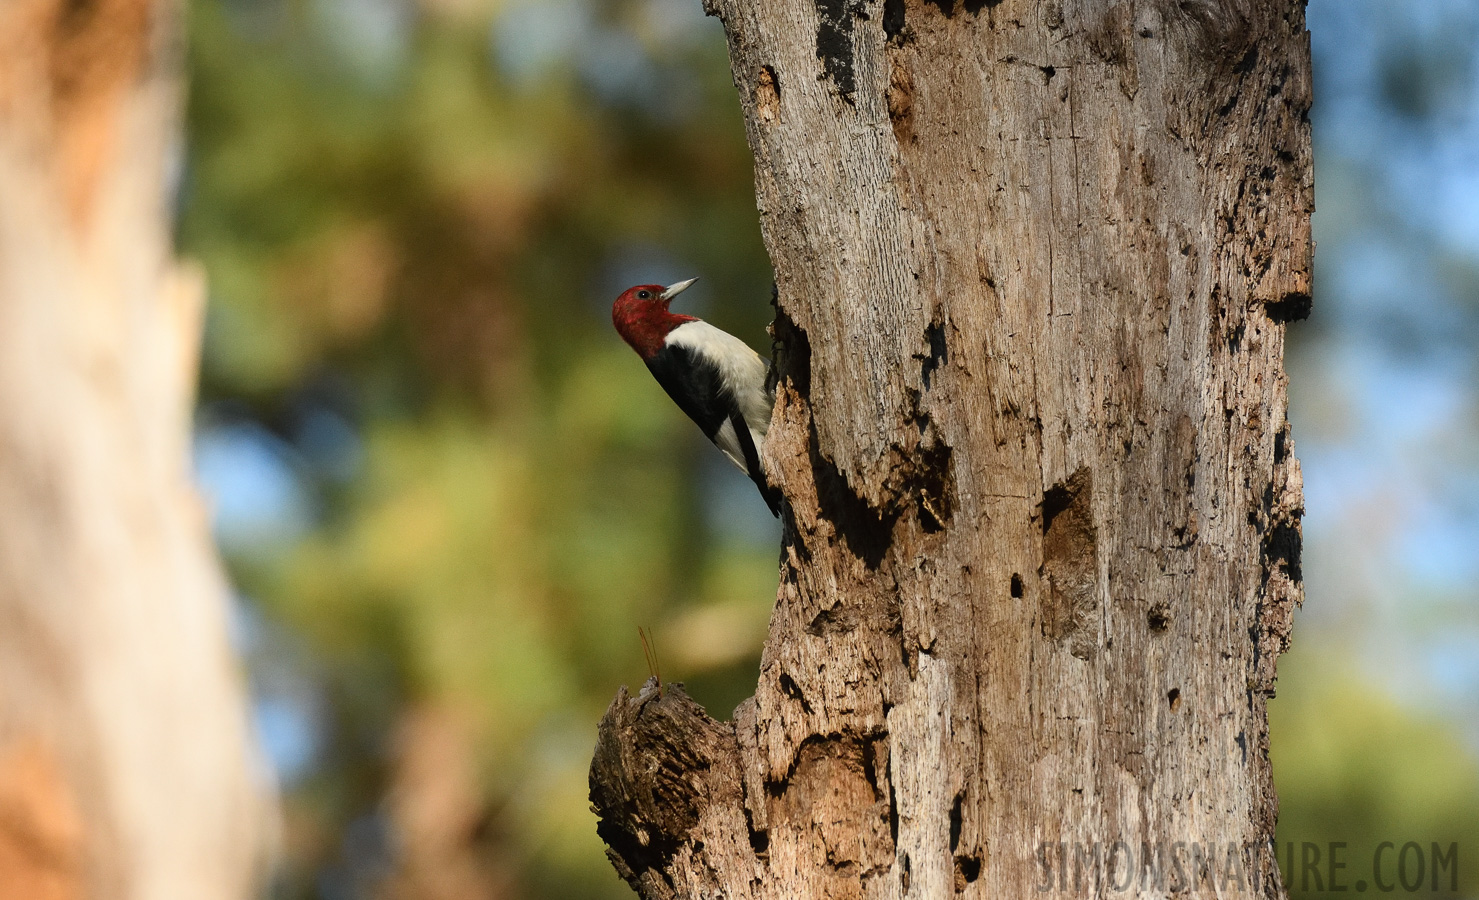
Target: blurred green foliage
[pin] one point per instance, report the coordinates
(402, 237)
(1351, 765)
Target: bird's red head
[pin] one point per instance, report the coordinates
(641, 315)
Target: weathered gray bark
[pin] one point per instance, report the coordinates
(1035, 261)
(124, 769)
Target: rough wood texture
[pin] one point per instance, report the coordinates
(1035, 261)
(124, 769)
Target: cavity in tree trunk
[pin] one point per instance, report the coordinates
(124, 768)
(1035, 260)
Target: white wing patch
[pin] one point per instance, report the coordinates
(742, 372)
(725, 439)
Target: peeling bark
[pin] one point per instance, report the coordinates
(1035, 260)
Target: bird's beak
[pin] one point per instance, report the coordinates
(674, 290)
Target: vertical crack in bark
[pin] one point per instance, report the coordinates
(939, 351)
(957, 819)
(1281, 541)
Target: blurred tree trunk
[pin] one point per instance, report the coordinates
(124, 762)
(1035, 260)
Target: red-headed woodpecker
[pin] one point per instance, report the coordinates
(712, 375)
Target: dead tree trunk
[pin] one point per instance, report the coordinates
(123, 754)
(1035, 261)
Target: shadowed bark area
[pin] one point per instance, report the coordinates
(1035, 262)
(124, 766)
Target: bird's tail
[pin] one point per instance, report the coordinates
(770, 495)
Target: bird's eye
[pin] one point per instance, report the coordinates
(644, 295)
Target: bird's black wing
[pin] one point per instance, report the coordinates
(696, 386)
(752, 462)
(693, 383)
